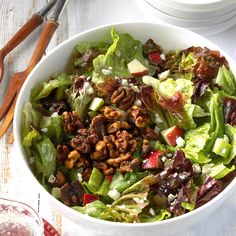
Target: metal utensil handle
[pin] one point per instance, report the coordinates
(36, 20)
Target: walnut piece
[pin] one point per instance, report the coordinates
(117, 125)
(71, 122)
(71, 159)
(140, 117)
(123, 98)
(111, 113)
(129, 166)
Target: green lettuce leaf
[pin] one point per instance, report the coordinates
(122, 50)
(226, 80)
(219, 170)
(45, 88)
(31, 138)
(47, 154)
(195, 142)
(121, 182)
(52, 127)
(159, 215)
(230, 131)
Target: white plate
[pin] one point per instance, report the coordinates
(200, 4)
(206, 29)
(193, 13)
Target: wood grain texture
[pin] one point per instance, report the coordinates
(80, 15)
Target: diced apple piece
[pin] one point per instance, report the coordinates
(88, 198)
(136, 68)
(222, 147)
(170, 135)
(153, 161)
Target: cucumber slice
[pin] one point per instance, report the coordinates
(96, 104)
(221, 147)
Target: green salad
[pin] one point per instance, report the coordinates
(131, 133)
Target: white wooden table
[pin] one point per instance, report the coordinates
(78, 16)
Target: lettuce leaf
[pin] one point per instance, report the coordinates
(121, 182)
(226, 80)
(230, 131)
(195, 141)
(122, 50)
(159, 215)
(44, 89)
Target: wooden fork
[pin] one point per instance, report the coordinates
(8, 105)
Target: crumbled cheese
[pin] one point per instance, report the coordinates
(138, 200)
(163, 158)
(156, 130)
(180, 142)
(51, 179)
(54, 114)
(169, 155)
(110, 68)
(135, 88)
(197, 168)
(106, 71)
(124, 82)
(206, 169)
(44, 130)
(114, 194)
(151, 211)
(164, 75)
(88, 88)
(79, 177)
(137, 102)
(171, 198)
(158, 118)
(163, 56)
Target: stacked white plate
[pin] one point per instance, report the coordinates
(202, 16)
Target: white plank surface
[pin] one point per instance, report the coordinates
(78, 16)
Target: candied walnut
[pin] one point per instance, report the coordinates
(100, 151)
(104, 168)
(98, 125)
(140, 117)
(117, 125)
(84, 140)
(86, 174)
(123, 98)
(60, 179)
(116, 161)
(111, 114)
(72, 194)
(146, 148)
(62, 153)
(71, 122)
(149, 133)
(82, 162)
(129, 166)
(124, 142)
(110, 142)
(71, 159)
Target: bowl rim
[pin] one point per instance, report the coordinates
(17, 116)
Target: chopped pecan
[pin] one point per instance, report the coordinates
(104, 168)
(116, 161)
(72, 194)
(123, 98)
(111, 113)
(117, 125)
(82, 162)
(71, 159)
(71, 122)
(140, 117)
(129, 166)
(98, 125)
(100, 151)
(146, 148)
(60, 179)
(62, 153)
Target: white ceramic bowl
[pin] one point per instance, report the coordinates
(169, 37)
